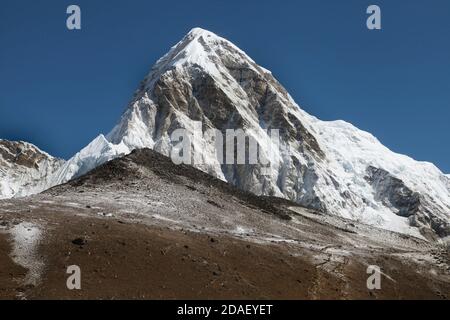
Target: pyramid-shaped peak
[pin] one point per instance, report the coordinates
(199, 47)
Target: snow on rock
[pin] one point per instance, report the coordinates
(94, 154)
(25, 169)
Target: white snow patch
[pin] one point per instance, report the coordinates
(26, 237)
(160, 217)
(107, 215)
(242, 230)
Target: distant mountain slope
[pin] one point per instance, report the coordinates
(24, 169)
(156, 171)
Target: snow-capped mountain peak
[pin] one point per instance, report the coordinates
(200, 47)
(329, 166)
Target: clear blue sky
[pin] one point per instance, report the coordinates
(59, 89)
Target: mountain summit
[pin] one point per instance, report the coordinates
(330, 166)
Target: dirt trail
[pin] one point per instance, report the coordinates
(130, 260)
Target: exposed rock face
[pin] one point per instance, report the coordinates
(24, 169)
(393, 192)
(422, 212)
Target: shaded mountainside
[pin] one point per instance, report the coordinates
(131, 167)
(140, 226)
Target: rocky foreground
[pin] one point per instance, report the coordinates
(141, 227)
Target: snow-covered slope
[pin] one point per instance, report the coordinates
(24, 169)
(330, 166)
(96, 153)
